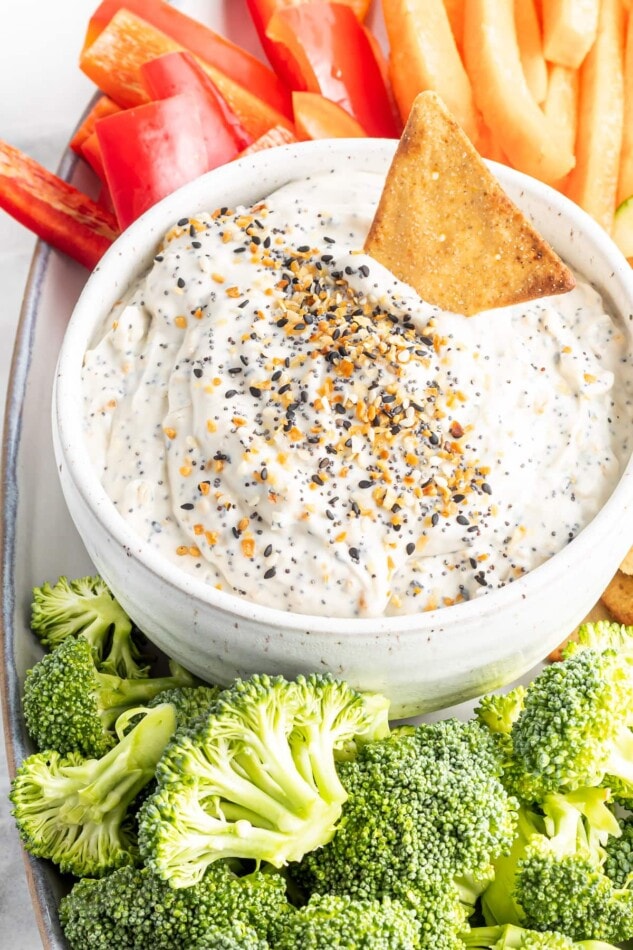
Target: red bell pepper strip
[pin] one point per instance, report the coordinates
(102, 107)
(53, 209)
(91, 151)
(150, 151)
(319, 118)
(323, 48)
(115, 58)
(174, 73)
(216, 50)
(276, 136)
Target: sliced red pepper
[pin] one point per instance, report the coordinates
(91, 151)
(323, 48)
(150, 151)
(320, 118)
(216, 50)
(115, 58)
(53, 209)
(102, 107)
(276, 136)
(174, 73)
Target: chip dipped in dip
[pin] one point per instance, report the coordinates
(281, 417)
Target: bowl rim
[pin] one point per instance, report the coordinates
(68, 414)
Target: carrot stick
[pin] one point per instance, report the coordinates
(455, 13)
(114, 60)
(492, 58)
(424, 56)
(319, 118)
(102, 107)
(569, 30)
(594, 181)
(625, 182)
(561, 103)
(531, 48)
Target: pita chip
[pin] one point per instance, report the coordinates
(445, 226)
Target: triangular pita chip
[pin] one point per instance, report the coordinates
(445, 226)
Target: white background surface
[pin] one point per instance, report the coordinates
(42, 95)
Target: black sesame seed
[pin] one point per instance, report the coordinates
(187, 506)
(353, 553)
(181, 282)
(270, 573)
(255, 392)
(197, 372)
(410, 547)
(462, 519)
(434, 519)
(268, 550)
(365, 483)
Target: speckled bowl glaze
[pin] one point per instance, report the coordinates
(422, 662)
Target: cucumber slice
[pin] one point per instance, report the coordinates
(623, 227)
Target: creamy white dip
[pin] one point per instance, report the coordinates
(282, 418)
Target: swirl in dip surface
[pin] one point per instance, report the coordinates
(282, 418)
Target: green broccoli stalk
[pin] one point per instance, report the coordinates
(553, 878)
(574, 731)
(86, 607)
(330, 921)
(255, 778)
(517, 938)
(425, 817)
(132, 909)
(74, 811)
(70, 706)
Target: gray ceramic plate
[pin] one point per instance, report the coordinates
(39, 541)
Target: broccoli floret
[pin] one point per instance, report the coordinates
(499, 711)
(69, 706)
(553, 878)
(574, 728)
(602, 635)
(517, 938)
(74, 811)
(237, 937)
(256, 778)
(132, 909)
(336, 921)
(189, 702)
(86, 607)
(426, 810)
(619, 862)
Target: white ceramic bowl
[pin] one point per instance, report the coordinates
(421, 662)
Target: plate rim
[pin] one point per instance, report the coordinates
(43, 901)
